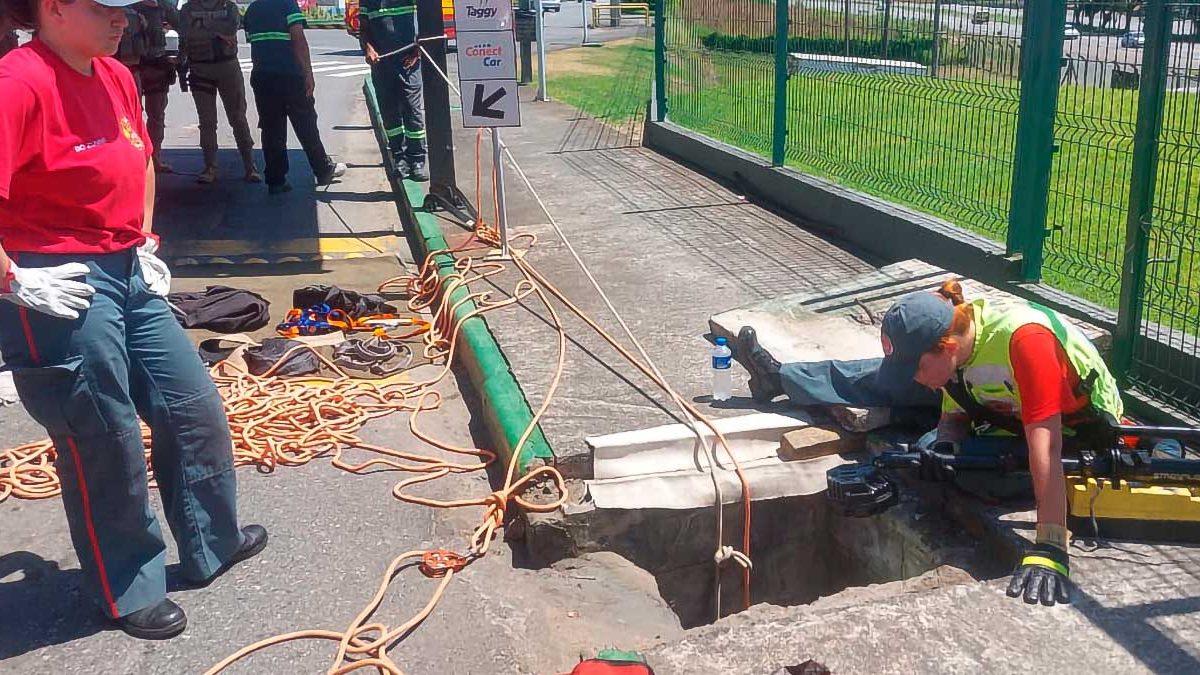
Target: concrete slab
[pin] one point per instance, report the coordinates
(668, 467)
(841, 320)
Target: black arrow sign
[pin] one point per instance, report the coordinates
(482, 107)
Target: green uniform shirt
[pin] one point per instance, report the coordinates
(268, 24)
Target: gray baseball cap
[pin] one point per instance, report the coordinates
(116, 3)
(913, 326)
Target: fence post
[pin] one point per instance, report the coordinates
(660, 61)
(847, 13)
(779, 131)
(1151, 97)
(935, 56)
(1033, 153)
(885, 32)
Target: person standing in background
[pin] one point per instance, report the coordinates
(283, 85)
(209, 42)
(144, 51)
(386, 26)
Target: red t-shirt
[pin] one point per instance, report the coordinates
(1045, 377)
(73, 155)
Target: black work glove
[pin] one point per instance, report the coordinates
(933, 468)
(1043, 576)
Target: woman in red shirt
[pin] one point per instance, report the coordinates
(85, 325)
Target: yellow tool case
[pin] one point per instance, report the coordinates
(1133, 511)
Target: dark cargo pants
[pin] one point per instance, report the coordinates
(224, 79)
(87, 381)
(154, 82)
(402, 106)
(280, 99)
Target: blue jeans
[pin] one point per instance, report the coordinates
(87, 381)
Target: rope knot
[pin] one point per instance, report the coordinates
(730, 553)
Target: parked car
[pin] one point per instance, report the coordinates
(551, 6)
(1133, 40)
(1070, 32)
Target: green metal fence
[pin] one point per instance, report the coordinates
(1069, 131)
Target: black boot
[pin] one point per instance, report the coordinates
(765, 384)
(156, 622)
(417, 172)
(254, 540)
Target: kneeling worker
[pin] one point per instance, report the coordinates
(1016, 368)
(283, 84)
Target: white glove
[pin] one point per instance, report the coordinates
(50, 290)
(154, 270)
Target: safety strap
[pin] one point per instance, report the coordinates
(979, 412)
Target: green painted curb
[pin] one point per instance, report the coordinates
(506, 411)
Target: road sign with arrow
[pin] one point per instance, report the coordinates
(490, 103)
(487, 64)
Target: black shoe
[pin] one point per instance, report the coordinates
(401, 166)
(254, 540)
(417, 172)
(765, 384)
(336, 171)
(156, 622)
(279, 189)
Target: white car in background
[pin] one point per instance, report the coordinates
(1070, 32)
(551, 6)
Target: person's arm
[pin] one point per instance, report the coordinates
(300, 49)
(953, 427)
(151, 189)
(1045, 465)
(364, 33)
(1042, 371)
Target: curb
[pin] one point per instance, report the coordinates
(506, 411)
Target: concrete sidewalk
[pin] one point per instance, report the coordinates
(671, 248)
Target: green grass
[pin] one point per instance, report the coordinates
(610, 83)
(944, 147)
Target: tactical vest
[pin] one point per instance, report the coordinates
(200, 41)
(988, 375)
(156, 33)
(392, 24)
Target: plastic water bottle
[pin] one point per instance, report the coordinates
(722, 373)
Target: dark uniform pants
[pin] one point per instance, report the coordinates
(154, 81)
(87, 381)
(401, 106)
(280, 98)
(207, 81)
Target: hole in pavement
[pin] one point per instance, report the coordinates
(803, 550)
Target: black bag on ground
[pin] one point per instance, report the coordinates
(263, 357)
(351, 302)
(221, 309)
